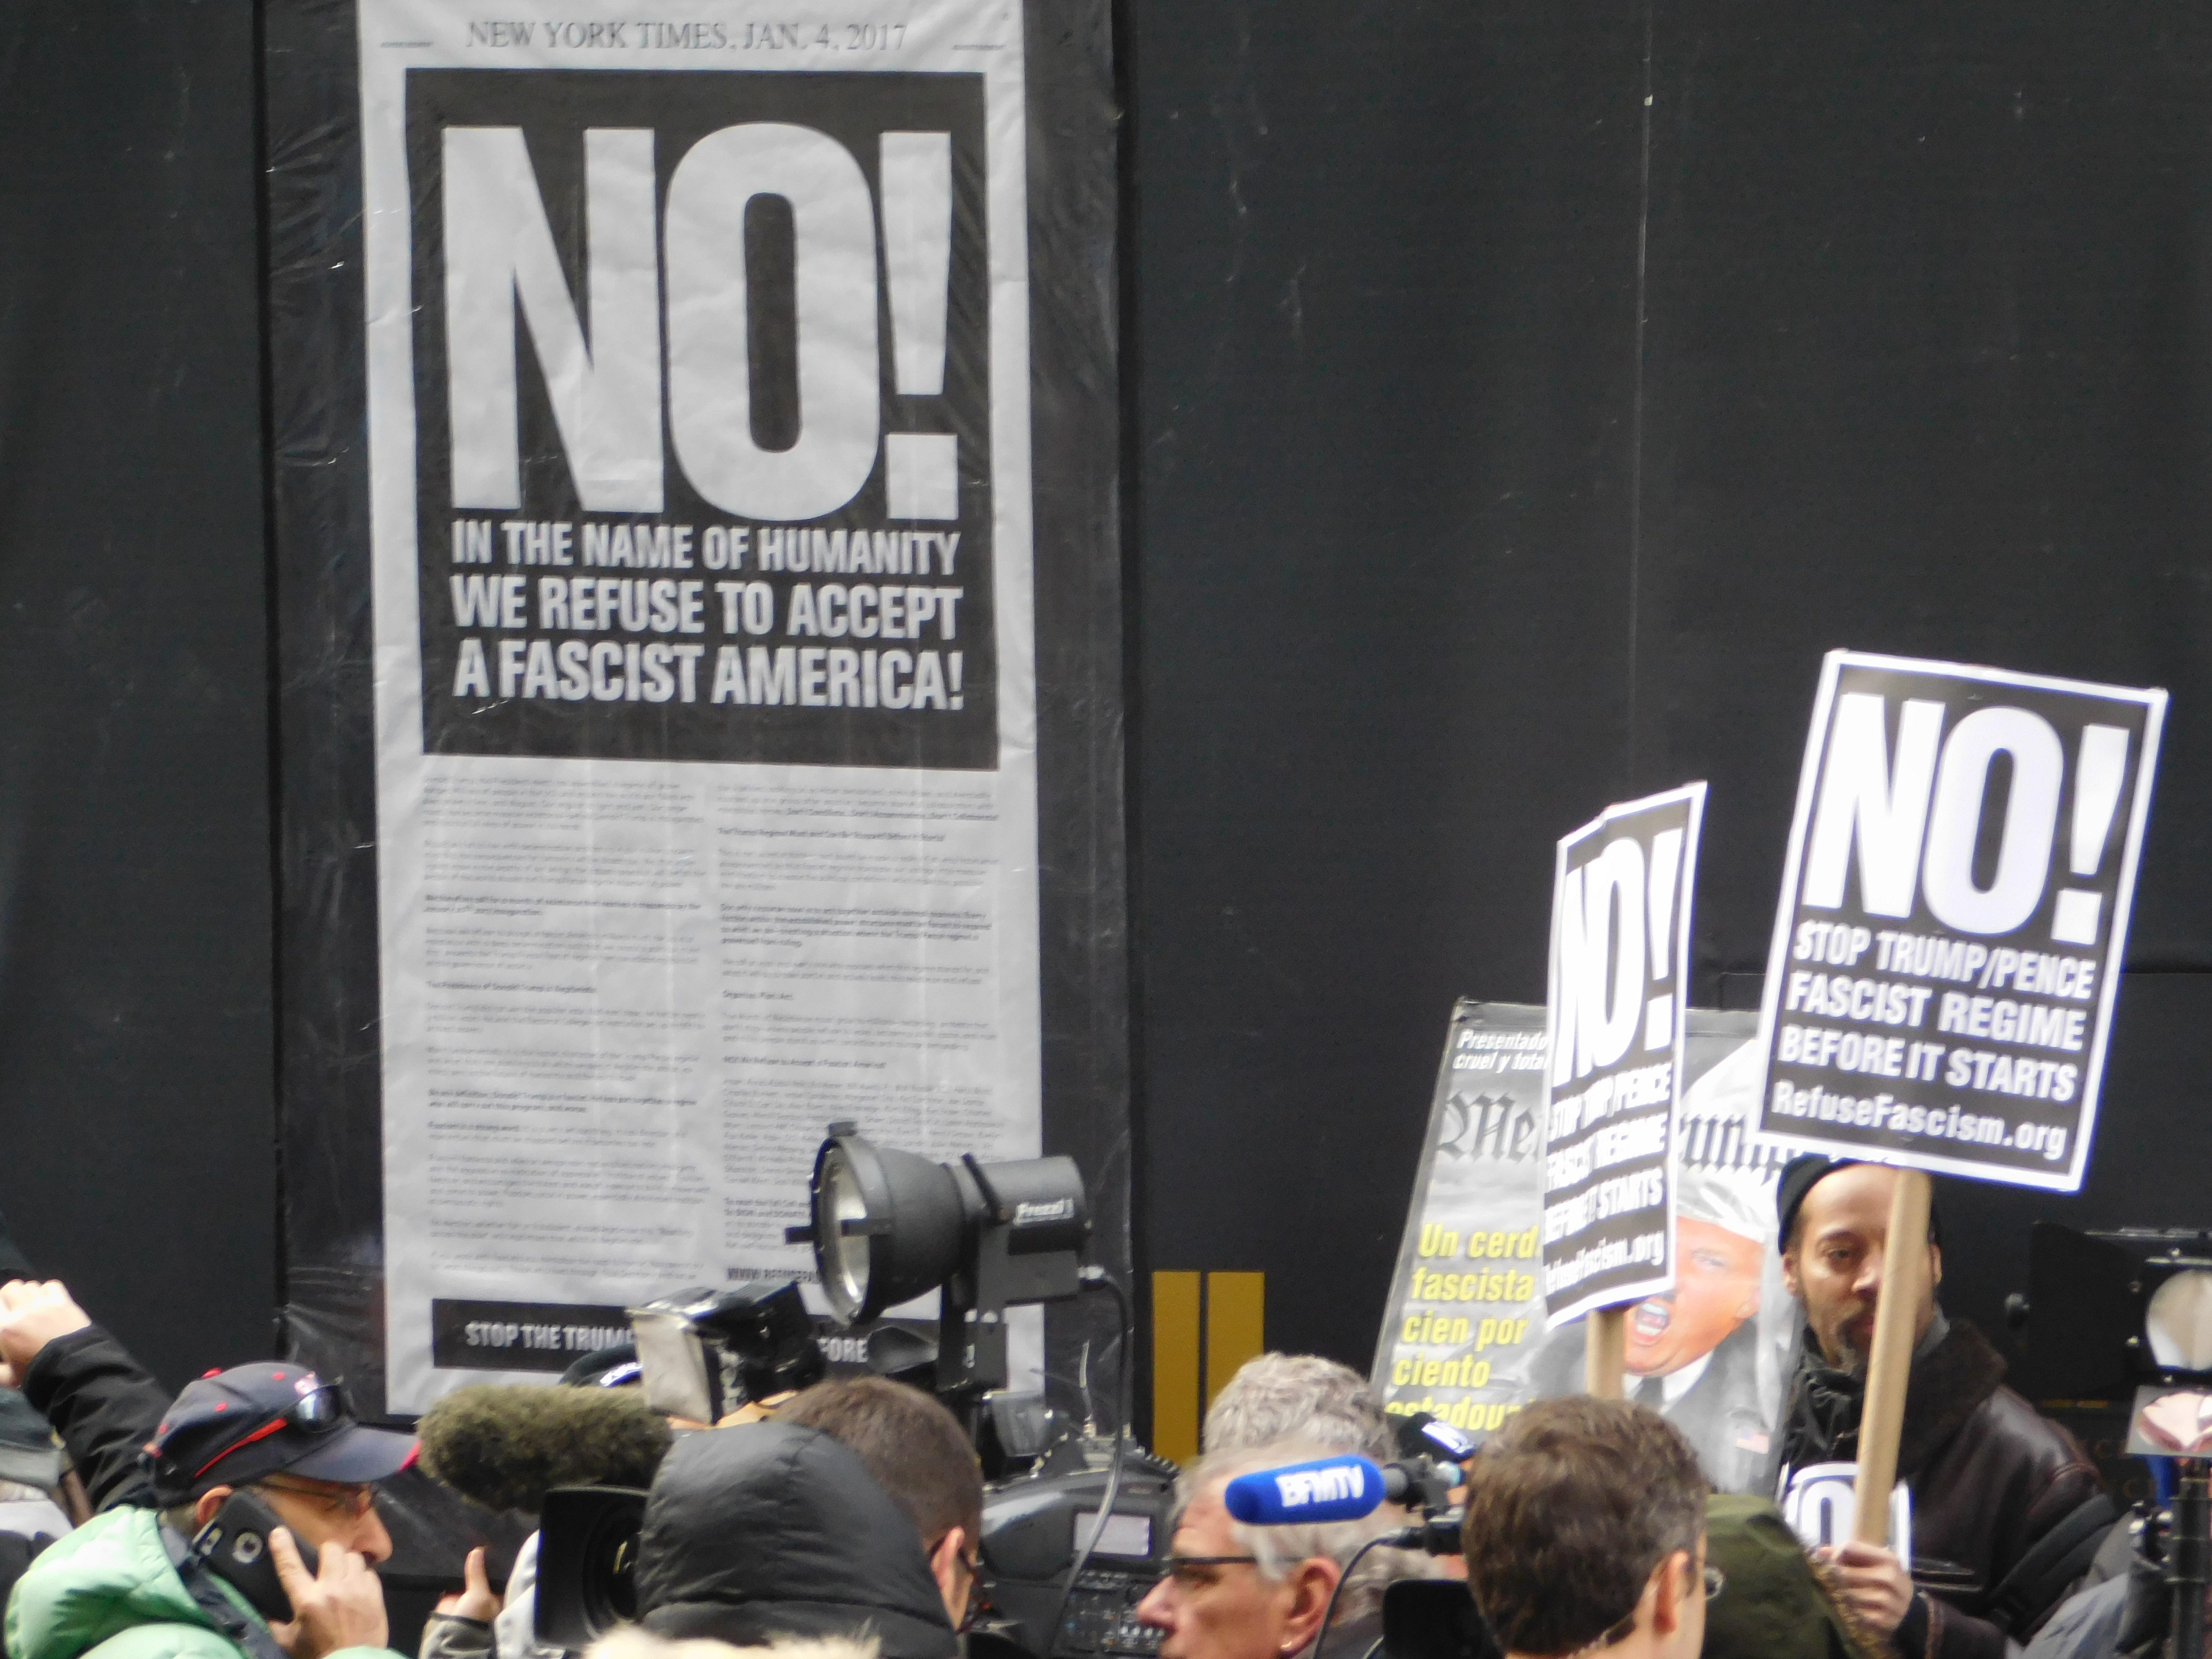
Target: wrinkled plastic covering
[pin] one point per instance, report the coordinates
(333, 1201)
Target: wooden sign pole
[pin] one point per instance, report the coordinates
(1605, 1352)
(1904, 1276)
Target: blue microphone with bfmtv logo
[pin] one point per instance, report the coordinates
(1326, 1489)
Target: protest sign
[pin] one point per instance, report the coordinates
(1620, 982)
(699, 412)
(1954, 909)
(1464, 1336)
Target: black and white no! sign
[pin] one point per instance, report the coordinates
(1954, 909)
(1619, 983)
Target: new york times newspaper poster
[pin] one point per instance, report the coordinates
(1953, 911)
(1620, 982)
(699, 424)
(1464, 1338)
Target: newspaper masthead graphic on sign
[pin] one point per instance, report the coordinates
(1619, 983)
(1953, 910)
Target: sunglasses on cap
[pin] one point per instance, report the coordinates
(317, 1411)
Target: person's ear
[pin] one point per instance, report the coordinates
(1790, 1273)
(1667, 1589)
(208, 1503)
(1935, 1266)
(1311, 1584)
(948, 1565)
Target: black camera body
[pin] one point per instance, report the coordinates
(705, 1352)
(1434, 1619)
(1034, 1526)
(588, 1540)
(887, 1226)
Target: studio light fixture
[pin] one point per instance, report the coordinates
(889, 1226)
(2107, 1312)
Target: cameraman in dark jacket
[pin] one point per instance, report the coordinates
(2007, 1509)
(766, 1531)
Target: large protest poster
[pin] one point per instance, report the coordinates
(1464, 1335)
(1619, 977)
(1953, 918)
(698, 398)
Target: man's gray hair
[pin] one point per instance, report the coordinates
(1299, 1397)
(1277, 1549)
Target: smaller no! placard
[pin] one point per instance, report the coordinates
(1952, 914)
(1619, 983)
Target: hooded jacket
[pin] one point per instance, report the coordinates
(773, 1530)
(110, 1587)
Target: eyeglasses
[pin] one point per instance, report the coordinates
(1715, 1582)
(350, 1502)
(1195, 1571)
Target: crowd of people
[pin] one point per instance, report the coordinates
(845, 1520)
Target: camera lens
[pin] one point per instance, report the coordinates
(588, 1563)
(610, 1573)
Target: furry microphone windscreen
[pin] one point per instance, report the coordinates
(505, 1446)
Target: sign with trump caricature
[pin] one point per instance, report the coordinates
(1465, 1336)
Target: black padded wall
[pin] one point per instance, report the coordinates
(135, 1146)
(1385, 327)
(1928, 370)
(1439, 552)
(1431, 557)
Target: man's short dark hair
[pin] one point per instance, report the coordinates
(913, 1446)
(1569, 1509)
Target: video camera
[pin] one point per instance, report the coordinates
(588, 1563)
(703, 1353)
(1076, 1528)
(1035, 1530)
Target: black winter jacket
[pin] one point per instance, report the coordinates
(1998, 1491)
(106, 1407)
(768, 1530)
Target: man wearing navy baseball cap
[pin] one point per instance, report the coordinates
(277, 1429)
(284, 1432)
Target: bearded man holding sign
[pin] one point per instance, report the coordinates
(1938, 998)
(2006, 1507)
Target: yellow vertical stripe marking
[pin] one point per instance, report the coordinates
(1174, 1366)
(1236, 1325)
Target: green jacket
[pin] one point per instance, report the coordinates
(109, 1588)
